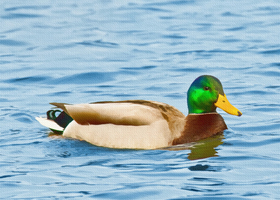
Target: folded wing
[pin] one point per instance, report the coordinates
(119, 113)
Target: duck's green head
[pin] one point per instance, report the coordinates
(206, 94)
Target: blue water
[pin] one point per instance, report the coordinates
(85, 51)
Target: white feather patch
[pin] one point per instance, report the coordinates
(49, 123)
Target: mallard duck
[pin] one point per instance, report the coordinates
(141, 124)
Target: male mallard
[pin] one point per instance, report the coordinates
(140, 124)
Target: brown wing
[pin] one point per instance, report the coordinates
(131, 112)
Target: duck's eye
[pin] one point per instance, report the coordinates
(206, 88)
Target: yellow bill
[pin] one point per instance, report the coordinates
(224, 104)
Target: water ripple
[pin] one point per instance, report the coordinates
(13, 16)
(210, 52)
(271, 52)
(14, 43)
(27, 8)
(144, 68)
(258, 143)
(98, 43)
(85, 78)
(22, 117)
(200, 167)
(29, 79)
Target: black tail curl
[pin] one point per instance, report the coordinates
(62, 119)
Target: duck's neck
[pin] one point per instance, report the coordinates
(200, 126)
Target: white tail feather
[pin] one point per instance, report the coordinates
(49, 123)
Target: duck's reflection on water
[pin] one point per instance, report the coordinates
(202, 149)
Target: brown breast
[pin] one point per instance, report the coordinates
(200, 126)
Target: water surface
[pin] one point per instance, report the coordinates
(85, 51)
